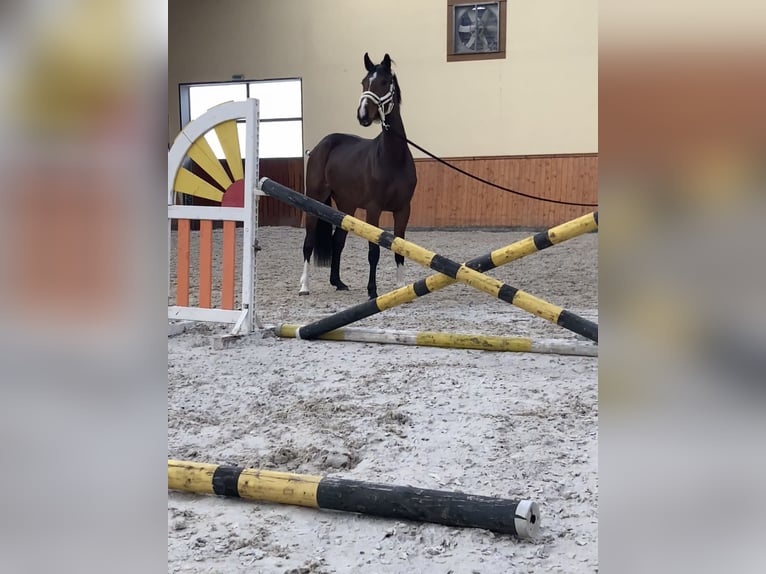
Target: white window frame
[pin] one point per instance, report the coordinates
(185, 108)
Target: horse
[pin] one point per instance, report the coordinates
(357, 173)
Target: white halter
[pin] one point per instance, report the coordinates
(385, 104)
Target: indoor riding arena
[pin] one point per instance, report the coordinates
(440, 416)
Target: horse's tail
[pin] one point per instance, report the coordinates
(323, 241)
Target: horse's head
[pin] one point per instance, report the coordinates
(380, 92)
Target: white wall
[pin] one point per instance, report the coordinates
(541, 99)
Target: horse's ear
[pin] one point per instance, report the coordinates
(368, 63)
(386, 63)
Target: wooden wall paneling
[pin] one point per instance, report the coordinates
(552, 210)
(444, 198)
(289, 172)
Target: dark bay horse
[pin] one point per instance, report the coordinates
(376, 175)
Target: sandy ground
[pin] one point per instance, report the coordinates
(511, 425)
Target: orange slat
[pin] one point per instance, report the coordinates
(205, 263)
(182, 263)
(229, 255)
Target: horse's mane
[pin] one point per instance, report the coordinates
(396, 82)
(398, 89)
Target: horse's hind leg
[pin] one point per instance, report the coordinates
(401, 218)
(373, 256)
(308, 248)
(317, 235)
(338, 242)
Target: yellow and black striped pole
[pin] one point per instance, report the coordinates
(521, 518)
(528, 246)
(427, 258)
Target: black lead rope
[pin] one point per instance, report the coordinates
(476, 177)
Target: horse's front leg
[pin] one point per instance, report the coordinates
(373, 256)
(401, 218)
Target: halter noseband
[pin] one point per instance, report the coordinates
(385, 104)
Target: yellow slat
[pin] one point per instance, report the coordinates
(203, 155)
(187, 182)
(227, 135)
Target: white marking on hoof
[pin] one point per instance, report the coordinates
(400, 275)
(304, 290)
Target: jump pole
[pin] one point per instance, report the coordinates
(520, 518)
(446, 340)
(528, 246)
(427, 258)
